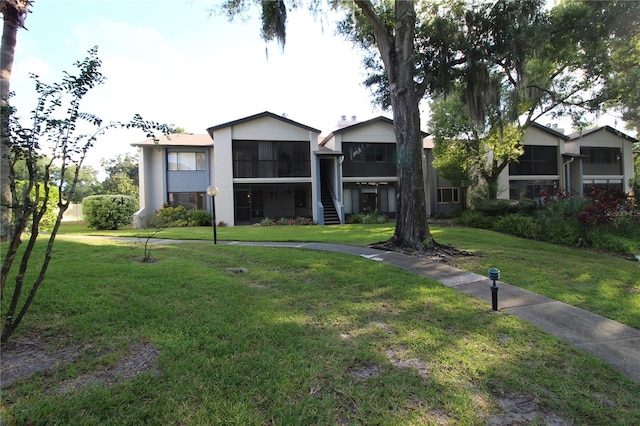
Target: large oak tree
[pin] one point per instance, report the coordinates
(392, 27)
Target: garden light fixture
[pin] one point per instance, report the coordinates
(494, 275)
(213, 191)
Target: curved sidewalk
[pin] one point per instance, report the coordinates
(616, 344)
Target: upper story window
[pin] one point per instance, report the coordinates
(267, 159)
(536, 160)
(601, 161)
(599, 155)
(369, 159)
(371, 152)
(186, 161)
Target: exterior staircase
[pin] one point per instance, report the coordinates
(330, 214)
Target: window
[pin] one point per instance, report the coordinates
(601, 161)
(371, 152)
(267, 159)
(365, 197)
(188, 200)
(186, 161)
(601, 155)
(536, 160)
(448, 195)
(588, 185)
(532, 189)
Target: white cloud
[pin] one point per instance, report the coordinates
(197, 71)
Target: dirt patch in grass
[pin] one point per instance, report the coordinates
(510, 408)
(22, 359)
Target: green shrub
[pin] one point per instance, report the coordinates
(607, 221)
(108, 211)
(267, 221)
(559, 229)
(198, 218)
(50, 216)
(635, 191)
(301, 220)
(355, 218)
(367, 218)
(172, 216)
(286, 221)
(374, 217)
(519, 225)
(179, 216)
(474, 219)
(603, 240)
(503, 207)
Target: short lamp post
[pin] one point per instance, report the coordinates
(213, 191)
(494, 275)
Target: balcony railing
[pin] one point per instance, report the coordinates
(271, 168)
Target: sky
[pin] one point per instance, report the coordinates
(177, 62)
(173, 61)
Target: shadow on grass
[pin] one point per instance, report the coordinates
(302, 337)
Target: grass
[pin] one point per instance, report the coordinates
(605, 284)
(356, 234)
(303, 337)
(602, 283)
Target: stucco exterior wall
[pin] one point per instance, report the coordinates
(370, 133)
(152, 165)
(607, 139)
(223, 175)
(259, 129)
(538, 137)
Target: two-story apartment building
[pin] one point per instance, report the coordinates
(267, 165)
(366, 177)
(606, 156)
(263, 167)
(553, 161)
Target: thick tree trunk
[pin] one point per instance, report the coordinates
(397, 52)
(11, 21)
(411, 222)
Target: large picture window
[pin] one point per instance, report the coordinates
(267, 159)
(370, 152)
(532, 189)
(601, 161)
(369, 159)
(599, 155)
(188, 200)
(536, 160)
(186, 161)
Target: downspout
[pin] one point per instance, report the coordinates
(567, 174)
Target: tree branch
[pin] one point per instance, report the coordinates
(384, 40)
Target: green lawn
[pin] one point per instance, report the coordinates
(605, 284)
(304, 337)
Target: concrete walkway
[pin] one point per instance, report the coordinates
(616, 344)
